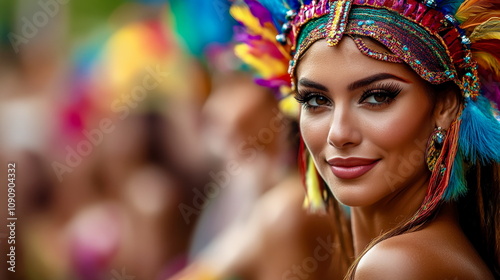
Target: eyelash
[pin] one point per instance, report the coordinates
(390, 90)
(304, 96)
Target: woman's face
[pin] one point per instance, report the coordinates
(365, 122)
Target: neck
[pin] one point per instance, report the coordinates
(372, 221)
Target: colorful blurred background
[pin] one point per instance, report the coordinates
(142, 147)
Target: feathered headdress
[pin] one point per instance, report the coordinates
(462, 40)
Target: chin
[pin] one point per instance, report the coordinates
(357, 193)
(353, 199)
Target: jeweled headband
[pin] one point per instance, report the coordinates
(441, 40)
(430, 42)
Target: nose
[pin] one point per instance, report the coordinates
(344, 130)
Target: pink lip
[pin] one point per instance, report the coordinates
(351, 168)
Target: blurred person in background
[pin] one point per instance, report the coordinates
(32, 83)
(255, 227)
(109, 143)
(252, 224)
(151, 159)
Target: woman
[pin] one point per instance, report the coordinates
(396, 125)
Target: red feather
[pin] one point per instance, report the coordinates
(488, 46)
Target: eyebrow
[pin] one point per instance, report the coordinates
(312, 84)
(374, 78)
(355, 85)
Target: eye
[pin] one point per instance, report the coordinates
(380, 95)
(378, 98)
(317, 100)
(312, 100)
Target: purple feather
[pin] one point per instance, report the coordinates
(491, 91)
(274, 83)
(259, 12)
(257, 43)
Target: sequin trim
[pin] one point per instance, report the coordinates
(454, 54)
(364, 49)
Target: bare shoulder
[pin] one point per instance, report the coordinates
(425, 254)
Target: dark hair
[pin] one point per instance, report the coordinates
(479, 213)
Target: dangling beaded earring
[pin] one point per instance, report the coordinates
(434, 146)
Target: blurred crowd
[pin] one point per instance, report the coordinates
(144, 150)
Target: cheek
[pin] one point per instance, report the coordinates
(314, 131)
(405, 134)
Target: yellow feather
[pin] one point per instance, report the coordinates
(289, 105)
(268, 31)
(244, 15)
(487, 30)
(314, 197)
(266, 65)
(474, 12)
(488, 61)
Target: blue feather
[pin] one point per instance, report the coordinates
(278, 10)
(293, 4)
(448, 7)
(479, 136)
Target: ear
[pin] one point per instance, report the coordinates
(447, 106)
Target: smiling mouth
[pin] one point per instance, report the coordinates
(351, 168)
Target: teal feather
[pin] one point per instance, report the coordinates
(479, 140)
(457, 185)
(346, 210)
(479, 136)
